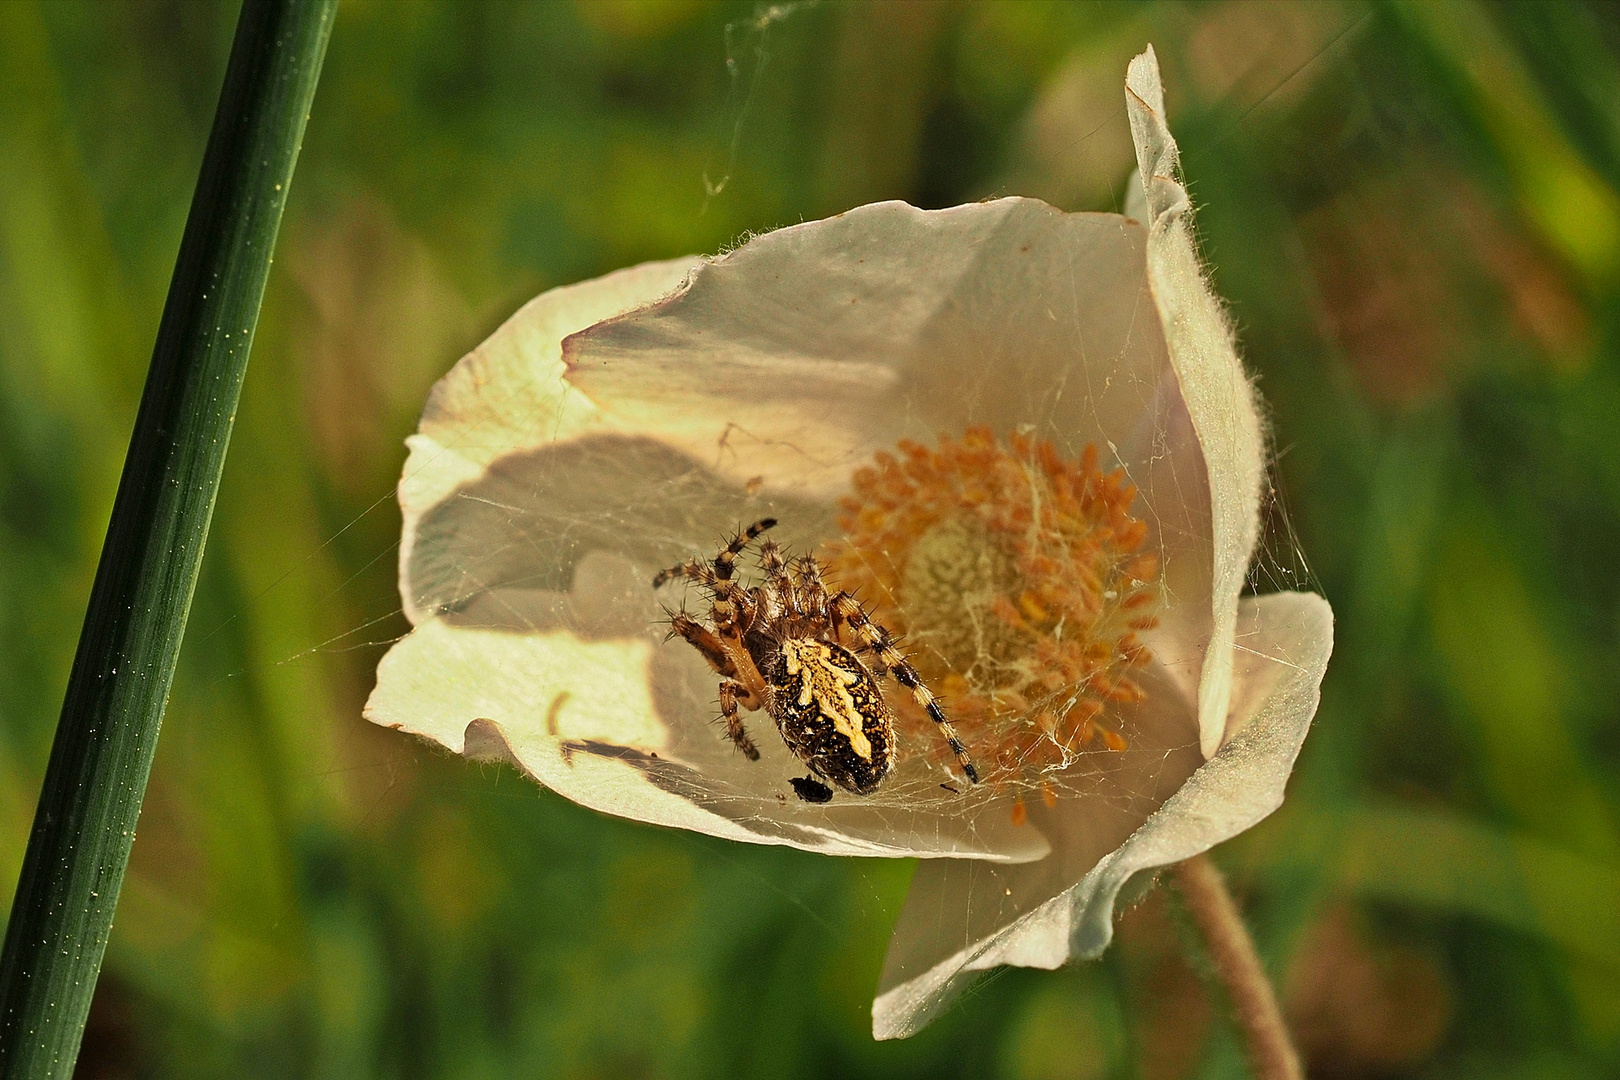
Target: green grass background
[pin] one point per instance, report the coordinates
(1414, 213)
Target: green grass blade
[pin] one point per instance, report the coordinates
(102, 756)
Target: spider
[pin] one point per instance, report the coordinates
(777, 647)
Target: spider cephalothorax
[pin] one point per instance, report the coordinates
(777, 647)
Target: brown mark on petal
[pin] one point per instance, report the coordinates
(1018, 580)
(551, 726)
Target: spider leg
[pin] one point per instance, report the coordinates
(734, 608)
(730, 691)
(733, 612)
(809, 595)
(728, 555)
(697, 570)
(847, 609)
(706, 642)
(820, 607)
(771, 561)
(777, 585)
(742, 684)
(692, 570)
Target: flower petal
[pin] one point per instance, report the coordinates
(539, 507)
(578, 716)
(506, 395)
(1001, 912)
(798, 355)
(531, 533)
(1213, 385)
(791, 361)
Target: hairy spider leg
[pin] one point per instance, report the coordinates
(774, 568)
(731, 600)
(728, 555)
(741, 681)
(845, 607)
(817, 601)
(771, 561)
(706, 642)
(809, 597)
(780, 604)
(717, 577)
(734, 726)
(691, 569)
(732, 608)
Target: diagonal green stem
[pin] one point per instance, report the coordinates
(102, 756)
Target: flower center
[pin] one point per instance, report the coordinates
(1018, 581)
(950, 580)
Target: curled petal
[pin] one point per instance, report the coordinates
(1219, 399)
(1043, 914)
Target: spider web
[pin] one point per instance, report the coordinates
(590, 575)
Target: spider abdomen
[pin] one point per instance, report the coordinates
(831, 713)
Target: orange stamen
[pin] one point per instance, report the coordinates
(1018, 579)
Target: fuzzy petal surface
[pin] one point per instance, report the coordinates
(1213, 384)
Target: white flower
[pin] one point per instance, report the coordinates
(1025, 432)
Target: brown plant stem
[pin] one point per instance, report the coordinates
(1237, 966)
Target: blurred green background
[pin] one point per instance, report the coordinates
(1414, 213)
